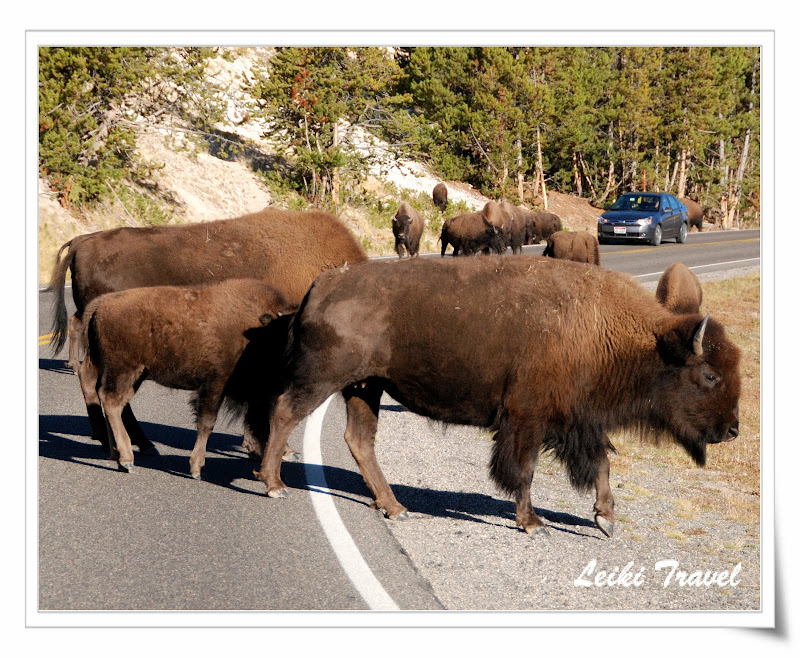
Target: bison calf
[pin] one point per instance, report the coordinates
(407, 227)
(582, 247)
(440, 196)
(549, 353)
(188, 338)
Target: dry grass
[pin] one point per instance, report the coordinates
(730, 485)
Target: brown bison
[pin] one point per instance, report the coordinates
(581, 247)
(549, 353)
(285, 249)
(184, 337)
(407, 226)
(679, 289)
(470, 234)
(440, 196)
(541, 225)
(695, 212)
(517, 227)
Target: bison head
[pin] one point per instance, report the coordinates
(400, 224)
(697, 394)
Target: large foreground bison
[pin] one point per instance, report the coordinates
(184, 337)
(550, 354)
(285, 249)
(580, 246)
(407, 227)
(679, 289)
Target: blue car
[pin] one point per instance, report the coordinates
(646, 216)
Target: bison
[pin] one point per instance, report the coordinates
(516, 234)
(679, 289)
(472, 233)
(541, 225)
(695, 212)
(581, 247)
(551, 354)
(184, 337)
(440, 196)
(407, 226)
(285, 249)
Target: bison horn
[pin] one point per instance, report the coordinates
(697, 343)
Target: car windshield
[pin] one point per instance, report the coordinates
(635, 202)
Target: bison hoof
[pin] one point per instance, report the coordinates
(291, 456)
(606, 527)
(401, 516)
(278, 493)
(126, 467)
(196, 476)
(538, 531)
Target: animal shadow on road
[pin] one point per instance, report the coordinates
(58, 366)
(226, 461)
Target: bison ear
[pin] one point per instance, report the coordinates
(683, 340)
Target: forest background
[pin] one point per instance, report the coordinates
(513, 122)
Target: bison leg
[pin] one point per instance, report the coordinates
(287, 414)
(604, 502)
(136, 433)
(516, 449)
(88, 376)
(75, 331)
(114, 395)
(363, 405)
(208, 403)
(255, 447)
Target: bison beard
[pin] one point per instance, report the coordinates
(551, 354)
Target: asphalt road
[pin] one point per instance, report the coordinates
(157, 540)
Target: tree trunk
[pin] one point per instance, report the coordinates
(520, 174)
(540, 166)
(335, 181)
(682, 179)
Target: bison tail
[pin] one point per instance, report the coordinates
(56, 285)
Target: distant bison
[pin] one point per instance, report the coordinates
(516, 234)
(440, 196)
(541, 225)
(470, 234)
(695, 213)
(579, 246)
(184, 337)
(550, 354)
(679, 289)
(285, 249)
(407, 227)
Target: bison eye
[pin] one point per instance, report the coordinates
(710, 377)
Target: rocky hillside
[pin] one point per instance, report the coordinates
(193, 184)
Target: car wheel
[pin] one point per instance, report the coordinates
(601, 240)
(682, 233)
(656, 239)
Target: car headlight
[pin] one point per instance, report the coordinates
(646, 220)
(602, 220)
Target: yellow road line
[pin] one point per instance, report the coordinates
(699, 244)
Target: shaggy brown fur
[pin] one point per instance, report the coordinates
(580, 246)
(517, 226)
(679, 289)
(184, 337)
(541, 225)
(470, 234)
(550, 353)
(407, 226)
(440, 196)
(695, 212)
(285, 249)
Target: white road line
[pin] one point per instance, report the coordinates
(696, 267)
(344, 547)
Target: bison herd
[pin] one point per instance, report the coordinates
(271, 313)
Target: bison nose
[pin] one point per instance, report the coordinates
(733, 432)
